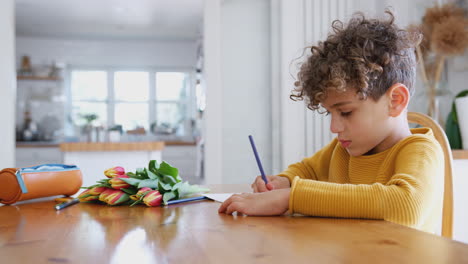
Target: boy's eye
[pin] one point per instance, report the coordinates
(346, 113)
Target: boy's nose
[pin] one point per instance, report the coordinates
(336, 126)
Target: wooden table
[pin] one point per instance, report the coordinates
(34, 232)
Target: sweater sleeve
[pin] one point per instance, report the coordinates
(406, 198)
(315, 167)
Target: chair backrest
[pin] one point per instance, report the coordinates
(439, 134)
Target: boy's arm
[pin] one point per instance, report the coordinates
(315, 167)
(405, 198)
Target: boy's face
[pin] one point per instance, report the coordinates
(363, 126)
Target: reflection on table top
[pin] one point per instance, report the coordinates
(195, 233)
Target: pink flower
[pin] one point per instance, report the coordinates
(153, 198)
(97, 190)
(141, 192)
(87, 196)
(113, 172)
(105, 194)
(117, 197)
(90, 198)
(84, 194)
(118, 183)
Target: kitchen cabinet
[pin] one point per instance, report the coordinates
(186, 158)
(37, 78)
(40, 100)
(93, 158)
(27, 156)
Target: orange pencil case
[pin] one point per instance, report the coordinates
(38, 181)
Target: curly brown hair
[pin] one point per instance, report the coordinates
(368, 55)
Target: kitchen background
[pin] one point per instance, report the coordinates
(109, 71)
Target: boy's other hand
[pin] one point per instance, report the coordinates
(274, 182)
(257, 204)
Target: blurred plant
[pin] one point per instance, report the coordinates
(445, 34)
(88, 118)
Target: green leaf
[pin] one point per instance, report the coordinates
(131, 181)
(136, 202)
(153, 184)
(130, 190)
(178, 178)
(176, 186)
(167, 169)
(185, 189)
(139, 171)
(168, 179)
(103, 185)
(163, 187)
(152, 175)
(129, 202)
(147, 171)
(153, 165)
(133, 175)
(169, 196)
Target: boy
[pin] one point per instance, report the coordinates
(377, 167)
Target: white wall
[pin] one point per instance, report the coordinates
(108, 53)
(237, 73)
(7, 84)
(213, 151)
(245, 69)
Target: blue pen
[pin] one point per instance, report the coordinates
(186, 200)
(259, 163)
(60, 206)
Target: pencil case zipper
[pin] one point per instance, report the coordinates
(41, 168)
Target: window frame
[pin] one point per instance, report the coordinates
(189, 101)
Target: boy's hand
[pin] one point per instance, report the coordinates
(274, 182)
(257, 204)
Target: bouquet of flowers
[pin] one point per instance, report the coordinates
(159, 183)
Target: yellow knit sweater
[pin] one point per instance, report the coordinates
(403, 184)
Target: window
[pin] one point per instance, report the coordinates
(89, 95)
(158, 101)
(170, 98)
(131, 102)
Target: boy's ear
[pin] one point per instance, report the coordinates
(399, 99)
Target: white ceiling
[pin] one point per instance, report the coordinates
(110, 19)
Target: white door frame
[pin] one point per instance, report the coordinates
(212, 77)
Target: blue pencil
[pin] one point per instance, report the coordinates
(60, 206)
(191, 199)
(259, 163)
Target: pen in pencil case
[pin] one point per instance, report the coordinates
(60, 206)
(259, 163)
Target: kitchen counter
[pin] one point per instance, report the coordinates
(112, 146)
(56, 144)
(37, 144)
(95, 157)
